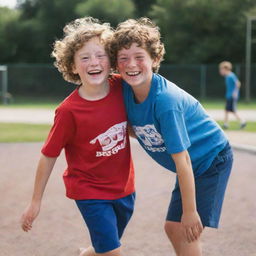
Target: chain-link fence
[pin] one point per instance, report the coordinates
(202, 81)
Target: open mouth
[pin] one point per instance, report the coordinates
(94, 72)
(134, 73)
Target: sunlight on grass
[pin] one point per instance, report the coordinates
(235, 126)
(15, 132)
(220, 104)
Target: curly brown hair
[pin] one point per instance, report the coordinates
(76, 33)
(144, 33)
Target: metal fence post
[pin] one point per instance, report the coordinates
(4, 84)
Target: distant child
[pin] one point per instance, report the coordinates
(174, 129)
(232, 93)
(91, 125)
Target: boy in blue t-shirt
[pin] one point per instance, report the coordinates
(174, 129)
(232, 92)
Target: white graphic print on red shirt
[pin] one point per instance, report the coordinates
(112, 140)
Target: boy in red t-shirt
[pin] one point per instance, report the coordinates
(91, 125)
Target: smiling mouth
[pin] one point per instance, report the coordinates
(95, 72)
(135, 73)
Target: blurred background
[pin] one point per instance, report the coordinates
(198, 34)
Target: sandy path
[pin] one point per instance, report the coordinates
(45, 116)
(59, 229)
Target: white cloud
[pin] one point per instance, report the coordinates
(8, 3)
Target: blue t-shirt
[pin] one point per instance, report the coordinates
(230, 81)
(170, 121)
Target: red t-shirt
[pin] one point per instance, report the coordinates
(96, 142)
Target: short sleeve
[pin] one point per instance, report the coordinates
(60, 134)
(231, 80)
(174, 132)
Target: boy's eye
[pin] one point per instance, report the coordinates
(85, 58)
(122, 58)
(139, 57)
(101, 56)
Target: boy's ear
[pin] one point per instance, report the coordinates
(156, 62)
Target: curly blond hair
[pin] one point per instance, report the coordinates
(144, 33)
(76, 33)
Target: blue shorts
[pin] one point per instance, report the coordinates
(210, 190)
(106, 220)
(231, 105)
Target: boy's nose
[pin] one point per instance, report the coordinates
(131, 62)
(94, 60)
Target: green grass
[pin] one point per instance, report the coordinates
(33, 102)
(16, 132)
(219, 104)
(235, 126)
(52, 103)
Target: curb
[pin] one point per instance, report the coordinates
(244, 148)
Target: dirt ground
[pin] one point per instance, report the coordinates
(59, 229)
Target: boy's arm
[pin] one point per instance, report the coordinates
(131, 131)
(236, 90)
(190, 220)
(238, 84)
(43, 172)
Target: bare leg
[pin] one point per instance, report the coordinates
(181, 247)
(242, 121)
(225, 126)
(237, 117)
(90, 252)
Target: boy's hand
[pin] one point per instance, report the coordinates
(192, 226)
(235, 94)
(29, 216)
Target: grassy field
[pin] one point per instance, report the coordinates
(15, 132)
(219, 104)
(52, 103)
(36, 102)
(234, 126)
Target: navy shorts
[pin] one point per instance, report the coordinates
(106, 220)
(210, 191)
(231, 105)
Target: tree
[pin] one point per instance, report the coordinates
(143, 7)
(8, 46)
(112, 11)
(200, 31)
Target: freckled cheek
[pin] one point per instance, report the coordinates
(105, 64)
(121, 66)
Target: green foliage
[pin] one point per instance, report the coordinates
(112, 11)
(143, 7)
(200, 31)
(8, 28)
(194, 31)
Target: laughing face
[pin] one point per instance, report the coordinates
(135, 66)
(92, 64)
